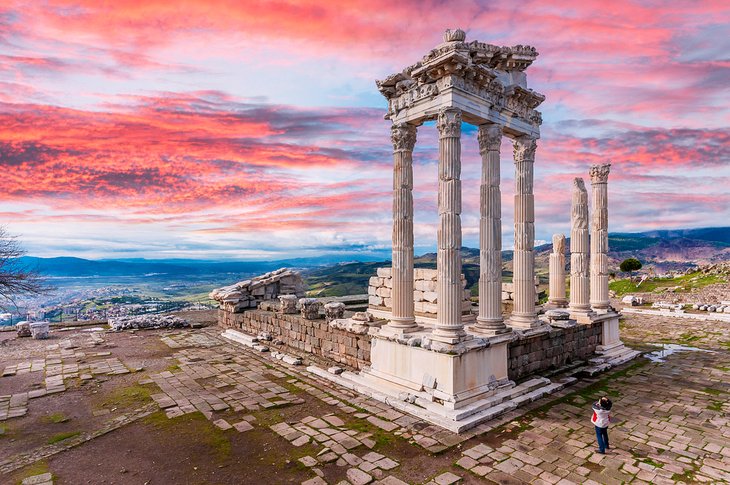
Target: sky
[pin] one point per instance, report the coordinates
(247, 130)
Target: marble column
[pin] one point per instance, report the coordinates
(579, 284)
(557, 273)
(524, 314)
(600, 301)
(449, 327)
(490, 321)
(403, 136)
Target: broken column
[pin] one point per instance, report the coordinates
(288, 303)
(557, 273)
(309, 308)
(599, 299)
(334, 310)
(579, 306)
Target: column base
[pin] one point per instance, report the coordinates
(449, 336)
(557, 303)
(529, 320)
(397, 331)
(582, 315)
(488, 328)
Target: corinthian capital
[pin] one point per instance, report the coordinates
(449, 122)
(524, 149)
(403, 136)
(599, 173)
(490, 137)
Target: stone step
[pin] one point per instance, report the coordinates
(240, 337)
(528, 386)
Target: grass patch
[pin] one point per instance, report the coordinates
(62, 436)
(653, 463)
(173, 367)
(38, 468)
(193, 427)
(715, 406)
(57, 418)
(688, 338)
(687, 283)
(712, 391)
(134, 395)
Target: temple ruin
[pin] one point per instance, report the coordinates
(420, 347)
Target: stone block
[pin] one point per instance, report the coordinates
(385, 272)
(375, 300)
(430, 296)
(383, 292)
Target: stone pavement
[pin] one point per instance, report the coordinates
(671, 417)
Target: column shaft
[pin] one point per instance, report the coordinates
(490, 321)
(403, 136)
(523, 314)
(599, 238)
(579, 283)
(449, 327)
(557, 273)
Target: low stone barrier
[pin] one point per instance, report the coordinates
(339, 341)
(533, 354)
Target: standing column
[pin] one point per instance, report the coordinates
(403, 136)
(579, 305)
(599, 238)
(524, 315)
(557, 273)
(490, 321)
(449, 328)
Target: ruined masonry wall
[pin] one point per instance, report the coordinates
(527, 355)
(559, 347)
(312, 336)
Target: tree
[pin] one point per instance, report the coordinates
(15, 279)
(630, 265)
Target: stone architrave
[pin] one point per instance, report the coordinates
(580, 306)
(403, 319)
(449, 327)
(490, 320)
(599, 300)
(524, 314)
(557, 273)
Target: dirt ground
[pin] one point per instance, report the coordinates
(144, 408)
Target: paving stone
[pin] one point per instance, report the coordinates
(243, 426)
(308, 461)
(222, 424)
(42, 479)
(447, 478)
(358, 477)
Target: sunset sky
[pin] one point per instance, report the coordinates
(254, 130)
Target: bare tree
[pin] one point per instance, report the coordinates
(15, 279)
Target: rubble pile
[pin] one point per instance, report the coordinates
(147, 322)
(249, 293)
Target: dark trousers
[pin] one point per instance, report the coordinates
(602, 437)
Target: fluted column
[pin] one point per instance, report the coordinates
(579, 283)
(599, 238)
(403, 136)
(557, 273)
(523, 314)
(449, 327)
(490, 321)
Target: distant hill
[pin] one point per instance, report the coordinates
(662, 249)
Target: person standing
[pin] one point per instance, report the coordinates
(600, 419)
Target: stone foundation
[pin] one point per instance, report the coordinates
(527, 354)
(533, 354)
(335, 341)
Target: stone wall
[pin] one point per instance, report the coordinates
(551, 350)
(249, 293)
(508, 291)
(336, 341)
(425, 299)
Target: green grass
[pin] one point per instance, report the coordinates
(173, 367)
(715, 406)
(57, 418)
(193, 426)
(38, 468)
(653, 463)
(62, 436)
(686, 282)
(714, 392)
(134, 395)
